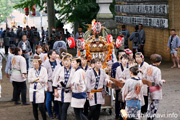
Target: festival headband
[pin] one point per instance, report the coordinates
(63, 54)
(140, 53)
(128, 51)
(37, 59)
(76, 58)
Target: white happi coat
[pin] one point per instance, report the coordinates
(86, 68)
(18, 68)
(132, 89)
(143, 68)
(43, 57)
(40, 87)
(50, 72)
(59, 77)
(78, 86)
(121, 73)
(126, 74)
(153, 74)
(91, 82)
(36, 54)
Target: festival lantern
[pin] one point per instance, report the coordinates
(109, 39)
(97, 27)
(119, 41)
(71, 42)
(26, 11)
(81, 44)
(33, 10)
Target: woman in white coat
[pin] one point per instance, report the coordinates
(78, 89)
(37, 78)
(61, 83)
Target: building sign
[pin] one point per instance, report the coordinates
(150, 13)
(141, 0)
(151, 22)
(142, 9)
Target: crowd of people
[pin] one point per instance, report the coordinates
(58, 80)
(137, 37)
(35, 37)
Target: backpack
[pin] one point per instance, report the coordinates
(136, 39)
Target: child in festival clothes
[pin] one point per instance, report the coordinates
(96, 81)
(113, 74)
(139, 57)
(120, 76)
(153, 74)
(124, 66)
(37, 78)
(62, 84)
(78, 87)
(132, 94)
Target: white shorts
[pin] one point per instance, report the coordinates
(173, 51)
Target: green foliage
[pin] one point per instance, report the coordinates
(81, 11)
(29, 3)
(5, 10)
(112, 6)
(6, 7)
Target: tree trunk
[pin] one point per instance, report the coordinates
(51, 15)
(76, 26)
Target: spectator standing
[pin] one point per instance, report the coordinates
(173, 45)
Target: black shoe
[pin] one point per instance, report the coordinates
(26, 103)
(17, 103)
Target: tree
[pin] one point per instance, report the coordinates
(81, 11)
(5, 10)
(6, 7)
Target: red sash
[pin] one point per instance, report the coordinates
(154, 88)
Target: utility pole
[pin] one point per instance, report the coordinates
(51, 15)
